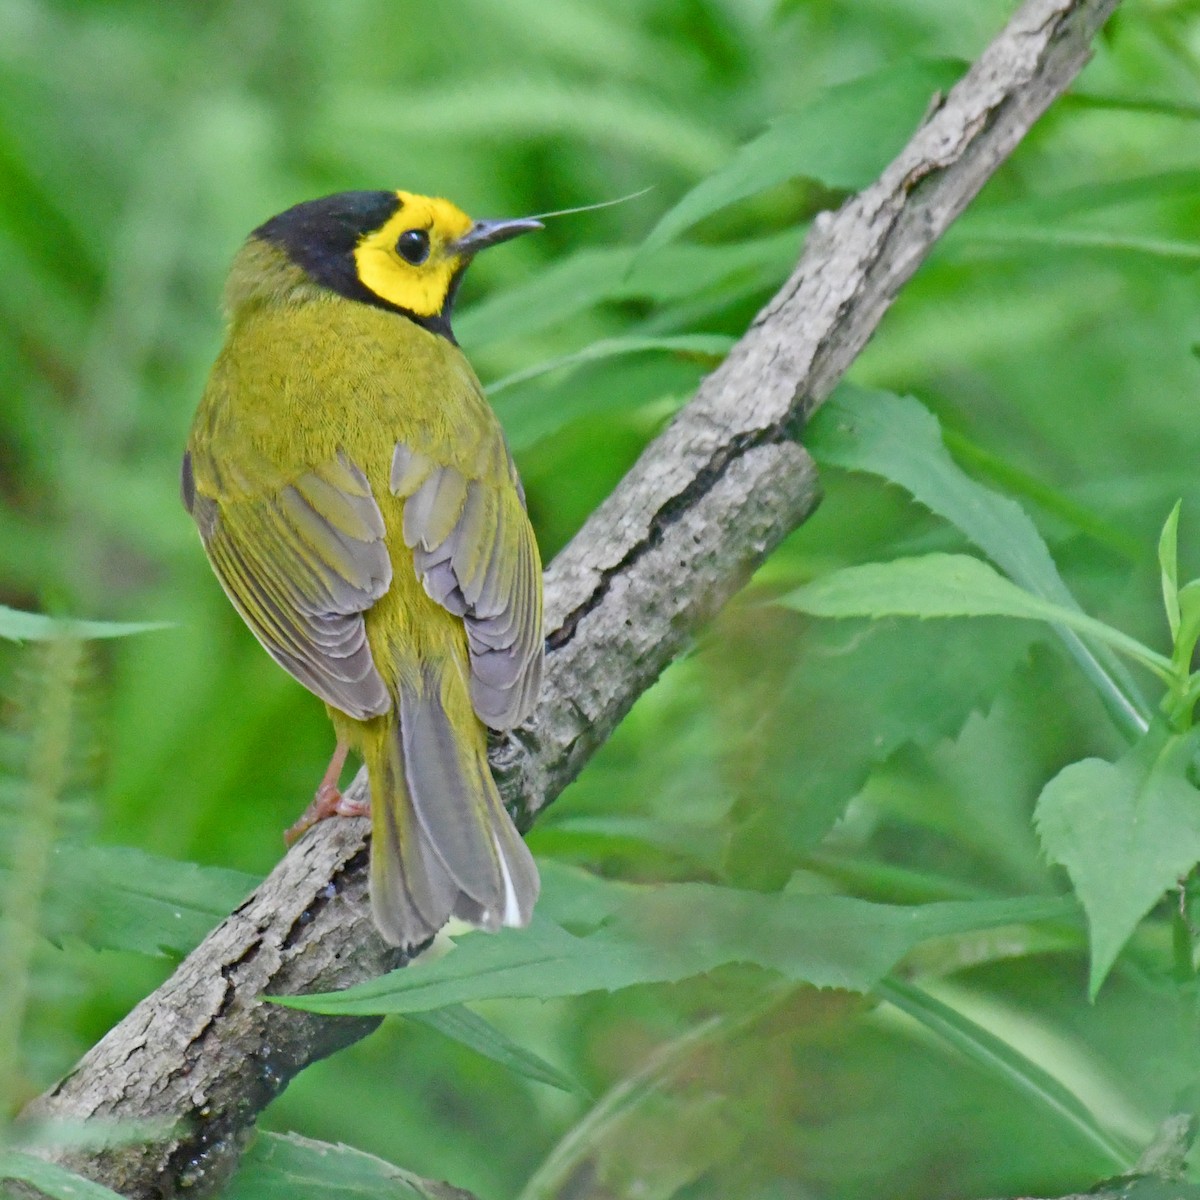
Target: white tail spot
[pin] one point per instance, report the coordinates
(512, 906)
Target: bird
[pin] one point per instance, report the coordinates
(360, 507)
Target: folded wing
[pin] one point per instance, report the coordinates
(475, 553)
(302, 564)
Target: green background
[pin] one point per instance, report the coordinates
(1052, 332)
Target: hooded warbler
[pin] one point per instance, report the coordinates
(358, 502)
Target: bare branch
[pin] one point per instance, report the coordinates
(706, 502)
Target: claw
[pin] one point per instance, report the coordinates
(328, 801)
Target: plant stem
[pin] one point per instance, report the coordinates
(48, 720)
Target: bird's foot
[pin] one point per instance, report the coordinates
(328, 802)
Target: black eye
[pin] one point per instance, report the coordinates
(413, 246)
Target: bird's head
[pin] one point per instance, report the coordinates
(395, 250)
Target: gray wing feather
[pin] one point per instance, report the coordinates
(409, 469)
(475, 553)
(302, 567)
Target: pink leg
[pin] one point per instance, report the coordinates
(329, 801)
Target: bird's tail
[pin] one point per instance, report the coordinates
(442, 844)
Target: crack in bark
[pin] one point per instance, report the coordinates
(670, 511)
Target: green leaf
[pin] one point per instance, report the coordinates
(688, 1132)
(707, 346)
(1032, 487)
(843, 138)
(93, 1134)
(50, 1179)
(896, 438)
(281, 1166)
(132, 900)
(1054, 209)
(1185, 648)
(1004, 1061)
(950, 585)
(612, 389)
(18, 626)
(468, 1028)
(1159, 250)
(661, 934)
(580, 281)
(1168, 561)
(1146, 1187)
(558, 292)
(1125, 831)
(880, 685)
(487, 107)
(1134, 104)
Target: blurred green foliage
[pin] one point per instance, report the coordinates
(1053, 332)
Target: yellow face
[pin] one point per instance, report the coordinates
(409, 261)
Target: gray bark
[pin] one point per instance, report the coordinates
(706, 502)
